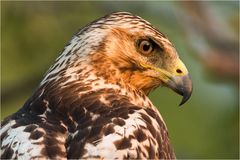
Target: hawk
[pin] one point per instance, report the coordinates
(92, 103)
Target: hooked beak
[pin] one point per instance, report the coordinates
(181, 85)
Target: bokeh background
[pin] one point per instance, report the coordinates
(206, 35)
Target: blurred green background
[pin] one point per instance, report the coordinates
(204, 33)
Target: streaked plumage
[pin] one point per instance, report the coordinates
(92, 103)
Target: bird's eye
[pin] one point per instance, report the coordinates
(145, 47)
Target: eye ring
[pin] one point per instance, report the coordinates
(145, 47)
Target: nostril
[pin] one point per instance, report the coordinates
(179, 71)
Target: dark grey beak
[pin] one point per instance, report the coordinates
(181, 85)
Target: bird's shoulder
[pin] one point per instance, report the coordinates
(99, 124)
(117, 128)
(33, 133)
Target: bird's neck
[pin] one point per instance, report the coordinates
(71, 98)
(97, 81)
(96, 87)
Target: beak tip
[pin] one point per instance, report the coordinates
(186, 96)
(183, 86)
(180, 105)
(184, 100)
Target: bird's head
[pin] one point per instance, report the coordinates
(125, 48)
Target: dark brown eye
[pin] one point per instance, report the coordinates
(145, 47)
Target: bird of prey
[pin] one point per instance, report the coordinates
(92, 103)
